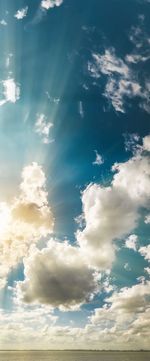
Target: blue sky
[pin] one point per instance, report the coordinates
(75, 174)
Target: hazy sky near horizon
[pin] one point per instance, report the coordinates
(75, 174)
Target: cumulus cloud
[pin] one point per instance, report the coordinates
(48, 4)
(58, 276)
(125, 313)
(99, 159)
(22, 13)
(10, 90)
(25, 220)
(42, 127)
(110, 213)
(145, 252)
(131, 242)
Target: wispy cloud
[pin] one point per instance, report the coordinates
(99, 159)
(42, 127)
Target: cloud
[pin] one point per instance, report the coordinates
(22, 13)
(48, 4)
(146, 143)
(11, 91)
(3, 22)
(124, 310)
(98, 160)
(81, 110)
(131, 143)
(131, 242)
(42, 127)
(110, 213)
(120, 81)
(25, 221)
(57, 275)
(147, 219)
(145, 252)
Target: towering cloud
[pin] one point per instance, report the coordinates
(25, 220)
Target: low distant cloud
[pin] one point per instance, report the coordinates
(22, 13)
(98, 159)
(42, 127)
(10, 90)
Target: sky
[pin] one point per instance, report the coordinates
(74, 174)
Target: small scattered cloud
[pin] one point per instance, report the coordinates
(127, 267)
(147, 219)
(10, 90)
(98, 160)
(131, 142)
(131, 242)
(48, 4)
(22, 13)
(3, 22)
(42, 127)
(145, 252)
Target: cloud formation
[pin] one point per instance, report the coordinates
(58, 276)
(24, 221)
(112, 212)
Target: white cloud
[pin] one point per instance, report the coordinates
(58, 276)
(127, 267)
(146, 143)
(110, 213)
(145, 252)
(131, 242)
(11, 91)
(42, 127)
(22, 13)
(25, 221)
(3, 22)
(48, 4)
(98, 160)
(131, 142)
(121, 79)
(136, 58)
(109, 63)
(147, 219)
